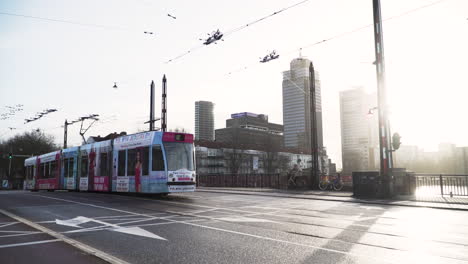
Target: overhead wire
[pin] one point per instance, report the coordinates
(346, 33)
(74, 22)
(229, 32)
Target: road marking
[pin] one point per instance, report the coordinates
(9, 224)
(29, 243)
(105, 228)
(137, 231)
(17, 232)
(378, 260)
(33, 233)
(87, 249)
(107, 218)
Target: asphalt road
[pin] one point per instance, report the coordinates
(204, 227)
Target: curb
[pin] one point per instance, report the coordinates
(352, 200)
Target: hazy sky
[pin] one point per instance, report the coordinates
(45, 64)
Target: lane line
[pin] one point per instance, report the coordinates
(29, 243)
(18, 232)
(378, 260)
(7, 223)
(88, 249)
(14, 235)
(14, 223)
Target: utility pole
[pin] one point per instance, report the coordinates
(65, 131)
(164, 104)
(386, 161)
(65, 134)
(313, 129)
(151, 122)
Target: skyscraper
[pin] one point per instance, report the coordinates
(296, 105)
(204, 120)
(359, 130)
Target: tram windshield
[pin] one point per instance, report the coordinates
(179, 156)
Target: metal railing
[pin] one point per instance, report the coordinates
(274, 181)
(443, 184)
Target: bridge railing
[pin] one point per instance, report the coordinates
(274, 181)
(443, 184)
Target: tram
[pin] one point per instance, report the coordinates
(148, 162)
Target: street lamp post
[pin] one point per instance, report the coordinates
(386, 159)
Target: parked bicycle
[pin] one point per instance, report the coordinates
(334, 184)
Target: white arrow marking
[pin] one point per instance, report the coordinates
(138, 232)
(75, 222)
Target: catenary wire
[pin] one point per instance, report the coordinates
(346, 33)
(72, 22)
(229, 32)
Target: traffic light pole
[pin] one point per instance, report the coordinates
(10, 157)
(386, 159)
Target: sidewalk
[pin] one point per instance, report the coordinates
(437, 202)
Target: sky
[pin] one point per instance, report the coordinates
(72, 67)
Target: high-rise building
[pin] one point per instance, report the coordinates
(359, 130)
(204, 120)
(296, 105)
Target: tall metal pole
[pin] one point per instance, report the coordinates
(386, 161)
(9, 164)
(65, 134)
(151, 122)
(164, 104)
(313, 128)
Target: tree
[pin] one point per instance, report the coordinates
(22, 145)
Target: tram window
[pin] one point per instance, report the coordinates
(41, 171)
(84, 166)
(158, 159)
(70, 167)
(47, 170)
(144, 159)
(103, 164)
(65, 168)
(53, 169)
(28, 172)
(121, 171)
(131, 161)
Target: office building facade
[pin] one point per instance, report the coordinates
(296, 105)
(359, 130)
(204, 120)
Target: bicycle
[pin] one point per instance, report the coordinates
(296, 180)
(335, 184)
